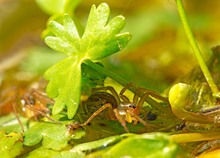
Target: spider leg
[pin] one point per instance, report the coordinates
(120, 119)
(97, 112)
(133, 114)
(111, 89)
(38, 111)
(124, 98)
(130, 84)
(96, 103)
(42, 97)
(146, 95)
(15, 111)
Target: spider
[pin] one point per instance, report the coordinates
(30, 103)
(119, 106)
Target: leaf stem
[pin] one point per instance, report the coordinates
(196, 49)
(106, 72)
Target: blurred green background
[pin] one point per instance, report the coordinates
(157, 55)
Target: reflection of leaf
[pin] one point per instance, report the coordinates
(53, 136)
(10, 144)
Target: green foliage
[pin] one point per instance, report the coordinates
(46, 153)
(99, 40)
(11, 144)
(131, 145)
(53, 136)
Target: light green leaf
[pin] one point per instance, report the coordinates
(100, 39)
(64, 85)
(11, 144)
(53, 136)
(47, 153)
(147, 145)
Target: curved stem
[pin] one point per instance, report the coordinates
(196, 50)
(194, 137)
(106, 72)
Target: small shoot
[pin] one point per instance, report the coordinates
(196, 50)
(99, 40)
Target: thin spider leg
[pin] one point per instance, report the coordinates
(31, 107)
(111, 89)
(120, 119)
(97, 112)
(154, 94)
(127, 87)
(125, 98)
(146, 95)
(42, 97)
(133, 114)
(15, 111)
(135, 98)
(95, 103)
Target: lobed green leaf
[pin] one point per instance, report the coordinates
(100, 39)
(64, 85)
(53, 136)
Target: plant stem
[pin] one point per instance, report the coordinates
(194, 137)
(203, 66)
(106, 72)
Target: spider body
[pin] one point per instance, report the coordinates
(29, 103)
(119, 106)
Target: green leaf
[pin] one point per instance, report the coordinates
(9, 123)
(11, 144)
(96, 144)
(53, 136)
(46, 153)
(100, 39)
(64, 85)
(146, 145)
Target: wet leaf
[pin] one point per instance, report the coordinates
(11, 144)
(53, 136)
(152, 145)
(46, 153)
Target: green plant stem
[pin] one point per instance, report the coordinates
(106, 72)
(196, 50)
(194, 137)
(124, 82)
